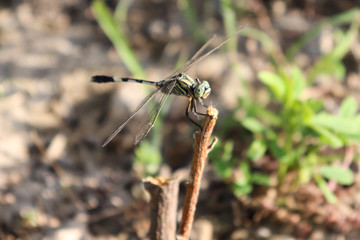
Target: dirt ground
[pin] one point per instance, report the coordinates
(56, 182)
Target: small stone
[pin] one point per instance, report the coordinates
(263, 232)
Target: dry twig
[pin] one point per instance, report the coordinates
(163, 204)
(201, 151)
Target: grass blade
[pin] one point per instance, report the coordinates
(117, 37)
(341, 18)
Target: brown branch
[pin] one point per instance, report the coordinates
(163, 204)
(202, 148)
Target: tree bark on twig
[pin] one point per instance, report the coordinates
(202, 148)
(163, 204)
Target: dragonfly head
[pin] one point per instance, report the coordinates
(202, 90)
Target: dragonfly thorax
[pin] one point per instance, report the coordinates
(187, 86)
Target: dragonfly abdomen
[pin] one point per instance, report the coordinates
(106, 79)
(134, 80)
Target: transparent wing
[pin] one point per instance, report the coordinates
(143, 102)
(198, 58)
(198, 55)
(191, 60)
(156, 103)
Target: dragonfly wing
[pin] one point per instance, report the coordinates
(190, 61)
(143, 102)
(156, 103)
(197, 58)
(193, 59)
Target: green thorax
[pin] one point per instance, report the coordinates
(188, 87)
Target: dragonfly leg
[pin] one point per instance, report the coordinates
(194, 109)
(188, 108)
(202, 103)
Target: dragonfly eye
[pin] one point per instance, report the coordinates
(202, 90)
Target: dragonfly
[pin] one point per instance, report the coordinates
(177, 83)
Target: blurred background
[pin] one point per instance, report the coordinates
(287, 88)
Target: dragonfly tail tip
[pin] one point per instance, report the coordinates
(101, 79)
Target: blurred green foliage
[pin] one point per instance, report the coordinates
(192, 20)
(342, 18)
(291, 129)
(240, 176)
(148, 159)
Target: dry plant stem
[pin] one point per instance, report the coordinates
(201, 150)
(163, 204)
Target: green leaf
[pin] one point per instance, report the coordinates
(266, 41)
(223, 169)
(242, 184)
(260, 179)
(276, 150)
(288, 99)
(252, 125)
(241, 189)
(121, 12)
(230, 22)
(274, 82)
(329, 196)
(352, 138)
(342, 47)
(337, 123)
(337, 68)
(228, 151)
(307, 112)
(148, 158)
(348, 107)
(223, 166)
(327, 136)
(289, 160)
(256, 150)
(255, 110)
(189, 11)
(304, 174)
(340, 175)
(315, 105)
(344, 17)
(299, 82)
(328, 66)
(245, 174)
